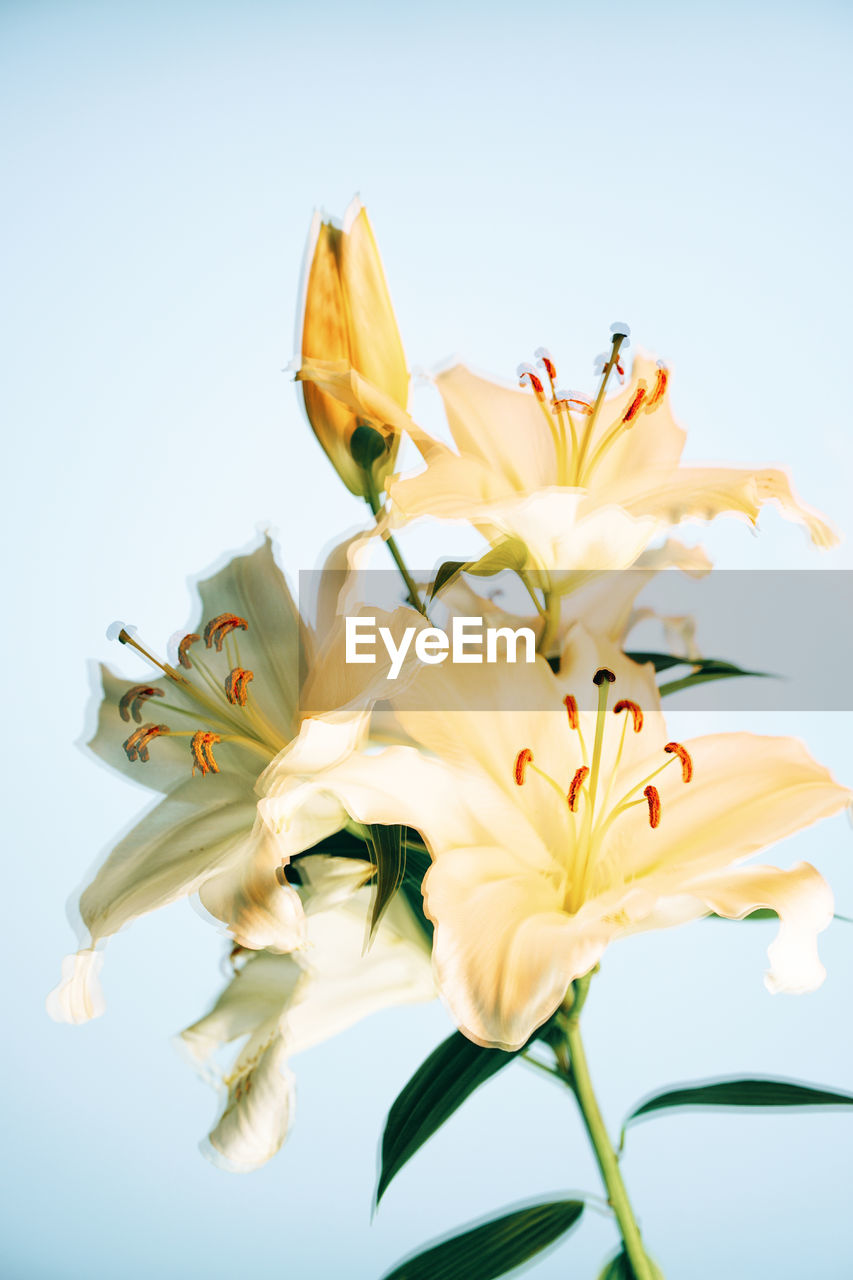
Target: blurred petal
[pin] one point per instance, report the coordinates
(257, 1114)
(78, 997)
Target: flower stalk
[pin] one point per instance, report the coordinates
(576, 1071)
(373, 500)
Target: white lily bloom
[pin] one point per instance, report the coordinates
(226, 709)
(552, 470)
(287, 1003)
(555, 829)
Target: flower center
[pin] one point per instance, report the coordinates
(573, 440)
(596, 797)
(219, 703)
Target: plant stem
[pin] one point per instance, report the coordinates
(608, 1161)
(372, 499)
(551, 624)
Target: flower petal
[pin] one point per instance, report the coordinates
(78, 996)
(504, 950)
(257, 1113)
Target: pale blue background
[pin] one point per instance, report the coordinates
(531, 175)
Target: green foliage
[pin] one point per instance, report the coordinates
(495, 1247)
(510, 553)
(703, 669)
(388, 846)
(439, 1086)
(740, 1093)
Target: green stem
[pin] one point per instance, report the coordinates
(552, 622)
(607, 1159)
(372, 498)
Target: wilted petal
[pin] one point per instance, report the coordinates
(257, 1114)
(803, 901)
(78, 997)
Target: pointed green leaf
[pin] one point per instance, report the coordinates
(446, 573)
(662, 661)
(495, 1247)
(417, 864)
(703, 669)
(511, 553)
(741, 1093)
(441, 1084)
(389, 854)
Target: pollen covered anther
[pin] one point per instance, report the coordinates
(201, 746)
(571, 706)
(183, 647)
(676, 749)
(659, 389)
(652, 795)
(221, 626)
(602, 674)
(130, 703)
(636, 404)
(522, 760)
(235, 686)
(574, 790)
(625, 704)
(527, 377)
(136, 746)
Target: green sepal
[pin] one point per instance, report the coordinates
(367, 445)
(494, 1247)
(388, 846)
(510, 553)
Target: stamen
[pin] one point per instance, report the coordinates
(576, 399)
(130, 703)
(571, 706)
(574, 790)
(659, 389)
(528, 377)
(183, 657)
(602, 674)
(675, 748)
(652, 795)
(634, 407)
(522, 760)
(636, 712)
(543, 358)
(201, 746)
(235, 686)
(136, 746)
(218, 628)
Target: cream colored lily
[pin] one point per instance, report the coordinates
(347, 321)
(533, 462)
(287, 1003)
(226, 708)
(566, 819)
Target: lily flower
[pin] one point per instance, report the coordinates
(571, 819)
(198, 734)
(533, 462)
(347, 321)
(287, 1003)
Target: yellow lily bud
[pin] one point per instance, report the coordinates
(348, 322)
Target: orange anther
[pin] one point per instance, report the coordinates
(659, 389)
(676, 749)
(574, 790)
(653, 797)
(201, 746)
(530, 379)
(136, 746)
(572, 708)
(235, 686)
(636, 712)
(634, 407)
(218, 628)
(130, 703)
(522, 760)
(183, 657)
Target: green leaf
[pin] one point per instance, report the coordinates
(703, 669)
(447, 572)
(439, 1086)
(511, 553)
(760, 913)
(619, 1268)
(389, 855)
(662, 661)
(741, 1093)
(495, 1247)
(417, 864)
